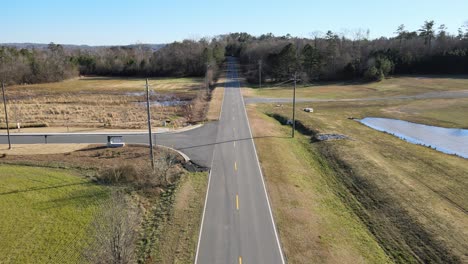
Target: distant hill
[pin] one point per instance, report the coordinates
(154, 47)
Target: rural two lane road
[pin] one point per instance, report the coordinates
(237, 224)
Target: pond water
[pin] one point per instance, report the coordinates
(158, 99)
(447, 140)
(165, 103)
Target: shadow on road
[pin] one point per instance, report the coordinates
(227, 141)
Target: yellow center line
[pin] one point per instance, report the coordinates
(237, 201)
(240, 260)
(235, 166)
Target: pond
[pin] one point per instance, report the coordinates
(446, 140)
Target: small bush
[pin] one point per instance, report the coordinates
(374, 74)
(119, 175)
(165, 172)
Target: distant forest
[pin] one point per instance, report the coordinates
(430, 49)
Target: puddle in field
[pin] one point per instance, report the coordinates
(158, 99)
(446, 140)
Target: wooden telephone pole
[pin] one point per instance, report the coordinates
(294, 91)
(6, 115)
(260, 73)
(150, 135)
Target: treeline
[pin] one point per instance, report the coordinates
(56, 63)
(328, 56)
(333, 56)
(186, 58)
(36, 66)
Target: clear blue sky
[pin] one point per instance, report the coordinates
(116, 22)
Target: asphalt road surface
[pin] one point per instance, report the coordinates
(197, 144)
(237, 225)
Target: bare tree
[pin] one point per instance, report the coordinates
(115, 232)
(316, 35)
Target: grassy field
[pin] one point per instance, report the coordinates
(411, 199)
(389, 87)
(44, 214)
(106, 102)
(170, 214)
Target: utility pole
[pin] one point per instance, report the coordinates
(294, 90)
(260, 73)
(207, 82)
(6, 115)
(294, 105)
(149, 124)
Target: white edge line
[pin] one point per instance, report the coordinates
(209, 181)
(263, 181)
(203, 216)
(222, 103)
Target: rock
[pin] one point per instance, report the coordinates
(324, 137)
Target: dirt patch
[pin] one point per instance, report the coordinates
(40, 149)
(92, 157)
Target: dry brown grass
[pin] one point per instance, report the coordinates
(216, 102)
(314, 225)
(113, 84)
(179, 235)
(103, 102)
(412, 198)
(40, 149)
(396, 86)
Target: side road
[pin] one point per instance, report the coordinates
(196, 143)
